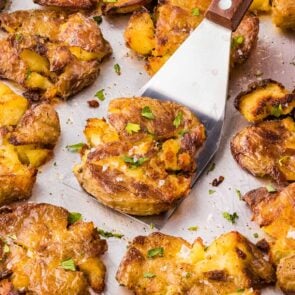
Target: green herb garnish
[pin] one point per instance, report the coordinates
(117, 69)
(211, 191)
(178, 119)
(148, 275)
(18, 37)
(270, 188)
(100, 95)
(107, 234)
(75, 148)
(28, 74)
(193, 228)
(146, 112)
(237, 41)
(97, 19)
(276, 111)
(68, 264)
(134, 161)
(239, 194)
(132, 127)
(196, 11)
(211, 167)
(230, 217)
(255, 235)
(155, 252)
(74, 217)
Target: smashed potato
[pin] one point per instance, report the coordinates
(43, 252)
(158, 35)
(260, 5)
(162, 264)
(122, 6)
(51, 53)
(264, 99)
(76, 4)
(283, 13)
(275, 213)
(28, 135)
(267, 149)
(143, 160)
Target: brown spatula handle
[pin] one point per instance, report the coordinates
(228, 13)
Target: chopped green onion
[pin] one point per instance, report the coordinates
(97, 19)
(74, 217)
(117, 69)
(276, 111)
(211, 191)
(132, 127)
(148, 275)
(75, 148)
(100, 95)
(230, 217)
(193, 228)
(107, 234)
(196, 11)
(155, 252)
(146, 112)
(178, 119)
(68, 264)
(270, 188)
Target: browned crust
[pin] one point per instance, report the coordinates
(33, 226)
(249, 29)
(75, 4)
(125, 6)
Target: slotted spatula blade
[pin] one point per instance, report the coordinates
(197, 77)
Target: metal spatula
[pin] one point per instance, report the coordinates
(197, 76)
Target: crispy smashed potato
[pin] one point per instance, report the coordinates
(28, 135)
(260, 5)
(283, 13)
(122, 6)
(43, 252)
(275, 213)
(75, 4)
(143, 160)
(162, 264)
(267, 149)
(264, 99)
(51, 53)
(158, 36)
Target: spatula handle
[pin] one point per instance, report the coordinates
(228, 13)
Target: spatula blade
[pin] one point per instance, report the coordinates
(197, 77)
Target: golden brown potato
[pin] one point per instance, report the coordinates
(76, 4)
(51, 53)
(275, 213)
(260, 5)
(157, 36)
(17, 179)
(39, 125)
(162, 264)
(143, 160)
(264, 99)
(267, 149)
(122, 6)
(28, 135)
(44, 251)
(283, 13)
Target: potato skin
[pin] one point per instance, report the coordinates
(173, 22)
(266, 149)
(39, 125)
(283, 13)
(70, 46)
(261, 98)
(167, 153)
(275, 212)
(74, 4)
(184, 268)
(45, 231)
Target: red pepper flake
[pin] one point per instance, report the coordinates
(93, 103)
(217, 181)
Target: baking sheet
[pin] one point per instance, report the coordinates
(273, 59)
